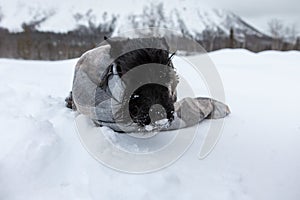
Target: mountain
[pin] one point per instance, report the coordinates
(191, 21)
(188, 17)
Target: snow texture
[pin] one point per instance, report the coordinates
(188, 17)
(256, 158)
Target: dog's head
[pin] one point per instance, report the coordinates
(152, 101)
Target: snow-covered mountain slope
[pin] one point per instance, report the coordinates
(256, 158)
(188, 17)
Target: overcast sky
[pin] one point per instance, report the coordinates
(259, 12)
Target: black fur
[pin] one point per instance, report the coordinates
(131, 53)
(142, 100)
(147, 95)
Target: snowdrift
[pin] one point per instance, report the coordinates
(257, 156)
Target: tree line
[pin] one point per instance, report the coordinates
(33, 44)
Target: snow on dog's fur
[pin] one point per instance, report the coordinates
(142, 99)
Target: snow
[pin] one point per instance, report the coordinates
(191, 16)
(257, 156)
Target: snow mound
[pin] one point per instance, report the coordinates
(256, 158)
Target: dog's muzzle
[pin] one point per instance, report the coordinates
(148, 104)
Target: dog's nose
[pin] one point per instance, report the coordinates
(157, 112)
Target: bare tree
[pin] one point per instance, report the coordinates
(297, 45)
(209, 35)
(291, 34)
(283, 36)
(277, 30)
(231, 38)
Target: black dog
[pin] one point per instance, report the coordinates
(142, 99)
(130, 53)
(127, 84)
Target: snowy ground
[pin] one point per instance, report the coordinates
(257, 156)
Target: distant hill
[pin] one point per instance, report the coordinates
(188, 17)
(66, 29)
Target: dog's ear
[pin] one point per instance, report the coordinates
(117, 45)
(120, 46)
